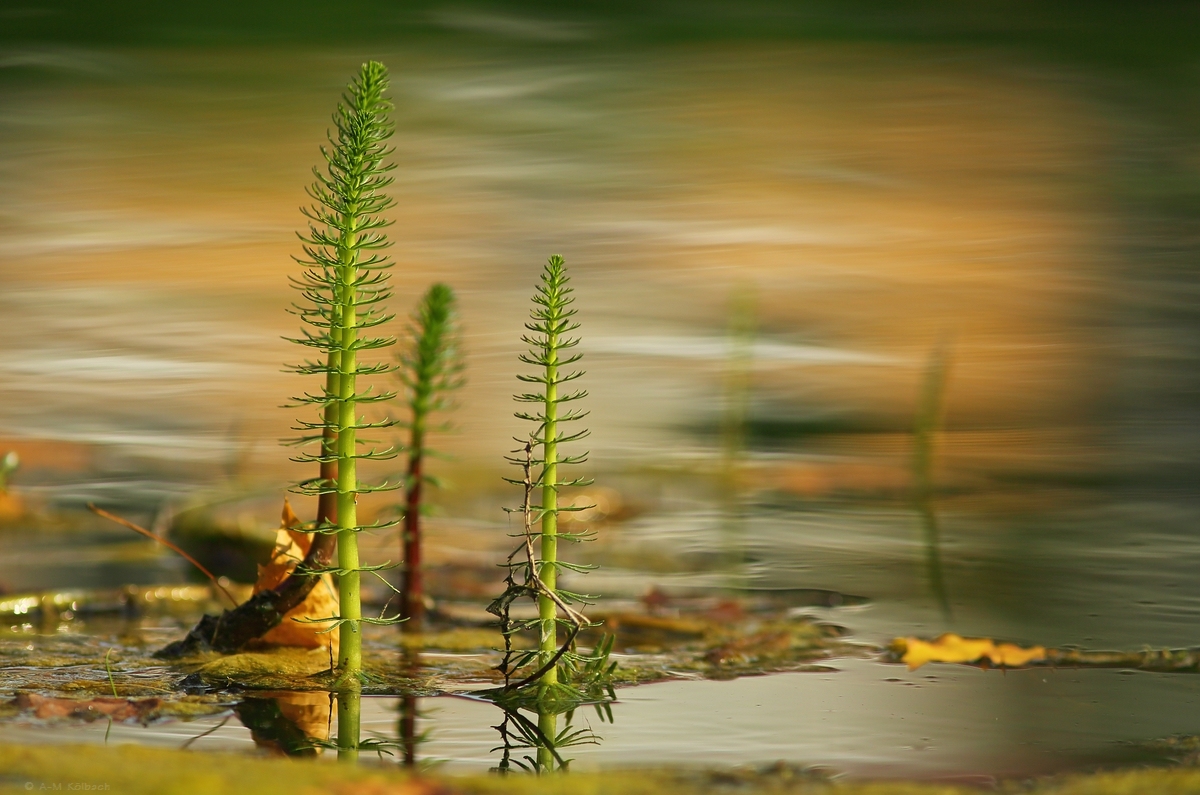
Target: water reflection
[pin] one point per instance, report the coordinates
(298, 724)
(536, 744)
(349, 713)
(290, 724)
(406, 729)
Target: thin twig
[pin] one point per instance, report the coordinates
(532, 578)
(577, 618)
(202, 735)
(553, 661)
(169, 545)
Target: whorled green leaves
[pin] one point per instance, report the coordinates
(430, 370)
(344, 286)
(555, 684)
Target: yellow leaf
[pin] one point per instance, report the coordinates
(322, 602)
(951, 648)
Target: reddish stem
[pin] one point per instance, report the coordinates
(412, 595)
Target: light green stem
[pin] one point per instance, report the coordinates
(548, 725)
(349, 707)
(547, 570)
(350, 655)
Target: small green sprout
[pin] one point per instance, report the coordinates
(561, 677)
(430, 370)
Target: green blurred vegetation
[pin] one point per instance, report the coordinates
(1156, 38)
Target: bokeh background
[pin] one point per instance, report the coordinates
(889, 311)
(779, 216)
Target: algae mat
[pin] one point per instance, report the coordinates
(134, 770)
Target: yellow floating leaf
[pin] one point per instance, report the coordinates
(951, 648)
(296, 628)
(1012, 656)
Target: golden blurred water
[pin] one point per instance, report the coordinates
(870, 200)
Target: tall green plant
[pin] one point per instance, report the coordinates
(551, 350)
(344, 284)
(555, 678)
(430, 370)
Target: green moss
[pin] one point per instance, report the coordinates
(462, 639)
(133, 770)
(297, 663)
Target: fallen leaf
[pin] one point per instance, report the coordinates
(120, 709)
(297, 627)
(951, 648)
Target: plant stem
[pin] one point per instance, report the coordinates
(547, 570)
(349, 708)
(548, 725)
(327, 500)
(350, 662)
(412, 592)
(430, 370)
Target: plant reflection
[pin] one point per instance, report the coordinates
(407, 731)
(288, 724)
(535, 747)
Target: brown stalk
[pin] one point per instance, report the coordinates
(266, 609)
(112, 517)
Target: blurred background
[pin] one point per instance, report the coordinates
(805, 236)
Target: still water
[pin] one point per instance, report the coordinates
(863, 721)
(784, 229)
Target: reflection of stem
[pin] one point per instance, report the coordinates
(349, 706)
(930, 408)
(407, 722)
(528, 734)
(408, 730)
(548, 727)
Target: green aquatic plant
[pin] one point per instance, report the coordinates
(551, 350)
(930, 410)
(344, 285)
(430, 370)
(561, 677)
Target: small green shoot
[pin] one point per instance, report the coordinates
(430, 370)
(554, 685)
